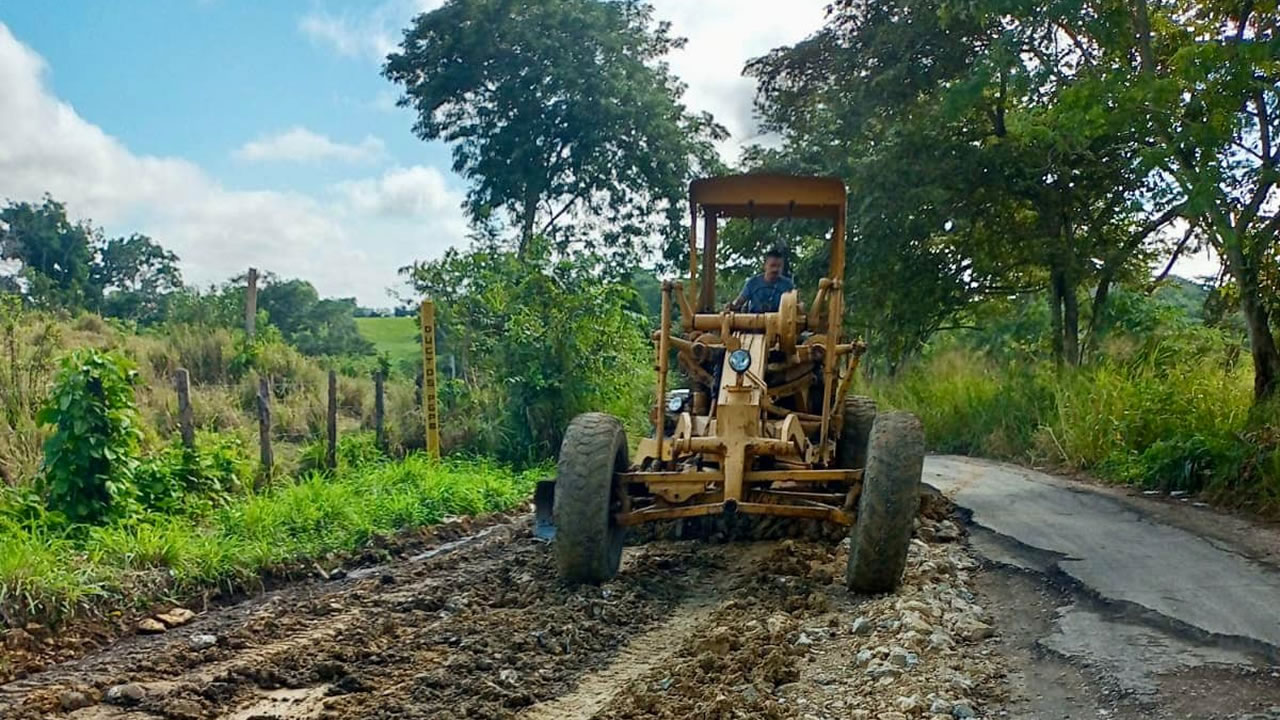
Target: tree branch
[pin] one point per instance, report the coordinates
(1177, 250)
(559, 213)
(1264, 130)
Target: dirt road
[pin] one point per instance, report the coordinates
(480, 628)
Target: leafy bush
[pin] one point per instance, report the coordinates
(90, 458)
(539, 341)
(178, 479)
(355, 451)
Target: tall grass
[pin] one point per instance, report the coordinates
(223, 391)
(1155, 416)
(47, 574)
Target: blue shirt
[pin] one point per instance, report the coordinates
(764, 297)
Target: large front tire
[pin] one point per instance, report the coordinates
(588, 543)
(886, 509)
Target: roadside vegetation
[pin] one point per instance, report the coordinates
(51, 570)
(1166, 404)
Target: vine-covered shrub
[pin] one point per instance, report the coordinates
(179, 479)
(89, 460)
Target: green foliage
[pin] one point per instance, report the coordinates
(974, 171)
(47, 573)
(1170, 411)
(90, 458)
(55, 255)
(177, 479)
(538, 342)
(137, 277)
(313, 325)
(355, 450)
(562, 115)
(72, 266)
(27, 350)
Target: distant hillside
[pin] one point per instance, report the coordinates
(1187, 295)
(396, 336)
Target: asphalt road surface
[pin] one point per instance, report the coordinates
(1137, 600)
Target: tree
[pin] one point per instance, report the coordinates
(313, 325)
(136, 276)
(1199, 80)
(539, 340)
(966, 180)
(72, 266)
(561, 115)
(55, 256)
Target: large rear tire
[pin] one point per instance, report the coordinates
(588, 543)
(859, 415)
(886, 509)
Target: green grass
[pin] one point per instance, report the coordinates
(396, 336)
(1157, 418)
(48, 575)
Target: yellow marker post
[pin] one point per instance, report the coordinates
(430, 411)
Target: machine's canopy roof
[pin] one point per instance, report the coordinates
(769, 195)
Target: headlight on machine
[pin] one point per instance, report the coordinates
(739, 360)
(675, 403)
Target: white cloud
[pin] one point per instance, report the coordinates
(401, 192)
(345, 249)
(723, 35)
(299, 144)
(371, 35)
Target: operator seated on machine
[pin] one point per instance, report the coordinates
(762, 293)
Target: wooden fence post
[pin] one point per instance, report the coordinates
(251, 304)
(186, 417)
(379, 410)
(331, 449)
(267, 458)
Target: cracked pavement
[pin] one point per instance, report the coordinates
(1146, 617)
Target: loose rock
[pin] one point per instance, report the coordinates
(972, 629)
(126, 695)
(861, 626)
(150, 626)
(176, 617)
(70, 700)
(202, 641)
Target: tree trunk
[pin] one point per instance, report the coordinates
(1142, 31)
(1262, 344)
(1055, 313)
(526, 226)
(1100, 296)
(1070, 322)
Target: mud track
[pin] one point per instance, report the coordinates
(482, 629)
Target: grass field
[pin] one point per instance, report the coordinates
(396, 336)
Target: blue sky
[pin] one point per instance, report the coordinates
(246, 133)
(133, 68)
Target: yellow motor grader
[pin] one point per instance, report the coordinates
(765, 427)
